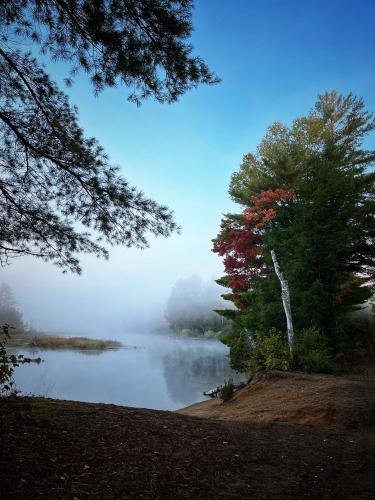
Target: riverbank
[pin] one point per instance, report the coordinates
(298, 398)
(64, 449)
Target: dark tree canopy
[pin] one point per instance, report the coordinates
(56, 185)
(140, 43)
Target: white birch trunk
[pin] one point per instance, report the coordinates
(286, 300)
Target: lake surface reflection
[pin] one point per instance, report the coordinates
(157, 371)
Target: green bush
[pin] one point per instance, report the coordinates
(275, 352)
(227, 390)
(187, 332)
(8, 362)
(270, 352)
(357, 332)
(240, 349)
(311, 352)
(210, 334)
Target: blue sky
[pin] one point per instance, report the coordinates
(274, 57)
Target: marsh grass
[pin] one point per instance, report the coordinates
(79, 343)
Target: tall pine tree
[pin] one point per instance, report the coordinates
(323, 232)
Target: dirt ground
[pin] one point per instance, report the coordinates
(297, 398)
(69, 450)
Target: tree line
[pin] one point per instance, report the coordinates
(190, 308)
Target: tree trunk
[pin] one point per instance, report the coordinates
(286, 300)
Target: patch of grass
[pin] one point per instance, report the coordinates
(79, 343)
(227, 390)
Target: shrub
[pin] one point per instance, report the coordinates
(275, 352)
(270, 352)
(311, 352)
(240, 345)
(7, 363)
(227, 390)
(210, 334)
(186, 332)
(358, 332)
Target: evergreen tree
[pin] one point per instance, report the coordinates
(56, 185)
(323, 233)
(9, 312)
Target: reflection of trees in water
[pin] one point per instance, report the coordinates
(188, 374)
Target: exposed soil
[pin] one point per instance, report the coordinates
(297, 398)
(69, 450)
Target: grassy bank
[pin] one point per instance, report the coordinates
(44, 340)
(79, 343)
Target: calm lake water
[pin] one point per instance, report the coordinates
(157, 371)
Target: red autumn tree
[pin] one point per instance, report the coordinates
(241, 242)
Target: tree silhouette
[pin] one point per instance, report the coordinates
(59, 196)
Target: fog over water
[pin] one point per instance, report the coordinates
(126, 293)
(121, 299)
(159, 371)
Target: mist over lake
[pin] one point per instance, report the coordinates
(153, 370)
